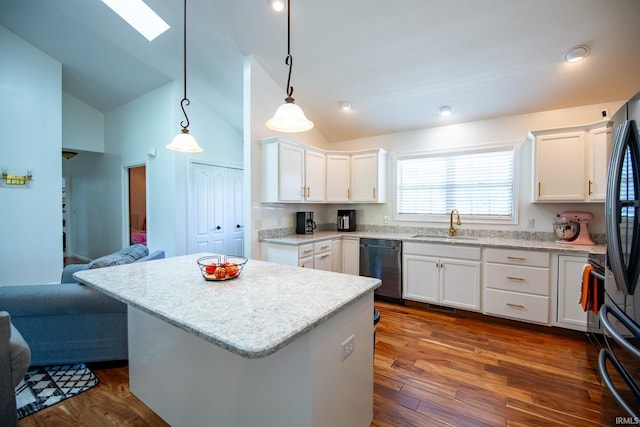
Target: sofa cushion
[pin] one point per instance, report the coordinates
(20, 356)
(125, 256)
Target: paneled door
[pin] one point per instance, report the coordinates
(215, 210)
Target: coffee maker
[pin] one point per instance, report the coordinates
(305, 223)
(346, 220)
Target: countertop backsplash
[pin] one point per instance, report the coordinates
(390, 229)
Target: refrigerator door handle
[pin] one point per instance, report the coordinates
(602, 360)
(626, 321)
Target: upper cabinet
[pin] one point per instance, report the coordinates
(599, 145)
(298, 173)
(570, 165)
(368, 177)
(292, 173)
(357, 177)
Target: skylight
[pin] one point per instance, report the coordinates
(139, 16)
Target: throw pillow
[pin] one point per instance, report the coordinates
(125, 256)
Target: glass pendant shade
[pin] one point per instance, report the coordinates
(184, 142)
(289, 118)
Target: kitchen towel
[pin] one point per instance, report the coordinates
(590, 296)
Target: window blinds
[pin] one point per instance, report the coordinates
(479, 184)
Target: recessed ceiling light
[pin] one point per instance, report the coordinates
(278, 5)
(445, 110)
(139, 16)
(576, 54)
(345, 106)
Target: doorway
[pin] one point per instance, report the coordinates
(137, 205)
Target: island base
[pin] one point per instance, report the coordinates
(189, 381)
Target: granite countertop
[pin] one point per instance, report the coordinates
(487, 241)
(267, 307)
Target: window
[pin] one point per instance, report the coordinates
(479, 184)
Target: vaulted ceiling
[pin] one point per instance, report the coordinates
(395, 62)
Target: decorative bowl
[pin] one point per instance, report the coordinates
(217, 268)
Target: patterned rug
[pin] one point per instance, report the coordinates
(46, 386)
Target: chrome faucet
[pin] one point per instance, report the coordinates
(452, 229)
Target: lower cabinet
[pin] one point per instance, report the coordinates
(338, 255)
(442, 274)
(517, 284)
(351, 255)
(323, 255)
(570, 313)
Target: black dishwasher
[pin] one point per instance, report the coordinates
(382, 259)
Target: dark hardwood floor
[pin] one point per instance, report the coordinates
(431, 369)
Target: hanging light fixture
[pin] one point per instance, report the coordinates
(184, 141)
(289, 117)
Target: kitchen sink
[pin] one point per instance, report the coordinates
(442, 236)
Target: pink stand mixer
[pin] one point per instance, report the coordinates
(571, 227)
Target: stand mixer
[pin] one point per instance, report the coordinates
(564, 225)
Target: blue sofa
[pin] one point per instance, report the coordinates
(70, 322)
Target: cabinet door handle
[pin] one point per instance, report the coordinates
(516, 258)
(519, 306)
(539, 189)
(590, 192)
(307, 251)
(349, 193)
(519, 279)
(374, 192)
(324, 256)
(324, 247)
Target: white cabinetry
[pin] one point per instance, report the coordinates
(336, 254)
(318, 255)
(338, 177)
(442, 274)
(570, 165)
(599, 144)
(516, 284)
(570, 313)
(357, 177)
(351, 255)
(368, 177)
(297, 173)
(292, 172)
(305, 256)
(323, 255)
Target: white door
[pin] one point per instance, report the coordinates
(215, 219)
(236, 213)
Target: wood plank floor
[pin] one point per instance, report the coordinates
(431, 369)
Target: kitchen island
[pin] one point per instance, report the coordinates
(278, 345)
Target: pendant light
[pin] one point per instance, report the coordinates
(184, 141)
(289, 117)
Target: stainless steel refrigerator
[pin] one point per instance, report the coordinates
(622, 213)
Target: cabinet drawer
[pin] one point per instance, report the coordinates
(305, 250)
(517, 257)
(531, 308)
(532, 280)
(441, 251)
(324, 246)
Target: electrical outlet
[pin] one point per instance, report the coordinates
(530, 223)
(385, 220)
(347, 346)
